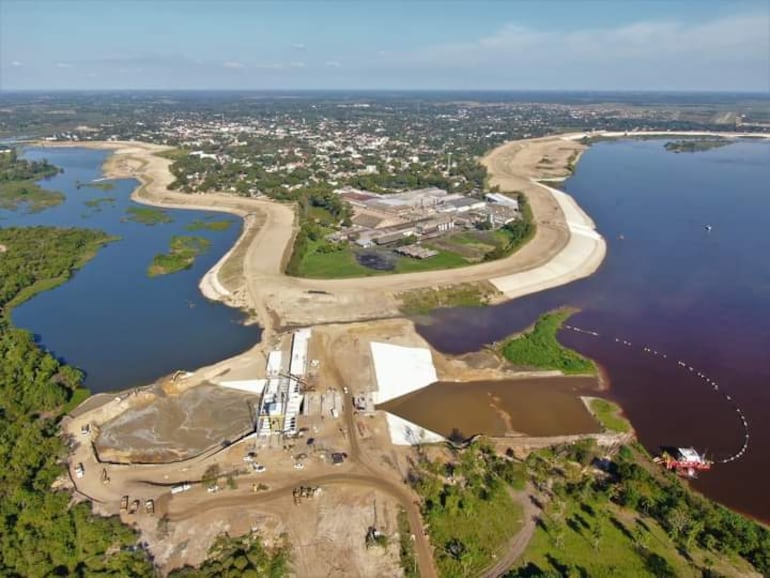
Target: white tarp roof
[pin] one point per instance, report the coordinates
(400, 370)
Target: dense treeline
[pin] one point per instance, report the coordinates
(517, 232)
(321, 210)
(40, 534)
(243, 557)
(18, 186)
(13, 168)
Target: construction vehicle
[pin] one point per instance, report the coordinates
(134, 507)
(124, 503)
(179, 488)
(304, 492)
(79, 471)
(105, 477)
(149, 507)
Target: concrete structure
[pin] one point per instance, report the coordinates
(255, 386)
(282, 395)
(400, 370)
(500, 199)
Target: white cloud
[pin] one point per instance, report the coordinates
(232, 65)
(298, 46)
(332, 64)
(668, 52)
(63, 65)
(296, 65)
(16, 64)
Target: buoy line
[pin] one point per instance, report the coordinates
(690, 369)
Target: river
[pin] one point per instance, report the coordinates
(697, 296)
(111, 320)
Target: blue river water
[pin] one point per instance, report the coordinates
(702, 297)
(111, 320)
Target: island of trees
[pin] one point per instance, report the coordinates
(181, 255)
(18, 186)
(693, 145)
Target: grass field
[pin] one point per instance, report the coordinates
(422, 301)
(636, 521)
(471, 519)
(444, 260)
(609, 415)
(539, 348)
(335, 265)
(599, 539)
(181, 255)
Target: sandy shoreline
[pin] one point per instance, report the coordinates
(566, 246)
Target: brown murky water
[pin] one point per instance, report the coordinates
(545, 406)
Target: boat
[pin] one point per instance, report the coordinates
(707, 227)
(686, 462)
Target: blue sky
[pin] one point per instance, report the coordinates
(429, 44)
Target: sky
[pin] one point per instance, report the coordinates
(661, 45)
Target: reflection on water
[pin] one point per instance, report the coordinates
(546, 406)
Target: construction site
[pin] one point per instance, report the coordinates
(289, 439)
(290, 443)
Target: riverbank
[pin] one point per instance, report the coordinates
(562, 249)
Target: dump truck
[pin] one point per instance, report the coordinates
(149, 506)
(124, 503)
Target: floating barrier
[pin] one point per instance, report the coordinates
(715, 386)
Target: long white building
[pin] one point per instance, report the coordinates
(282, 396)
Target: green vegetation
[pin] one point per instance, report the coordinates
(204, 225)
(18, 186)
(147, 216)
(406, 552)
(182, 253)
(96, 204)
(609, 415)
(101, 185)
(41, 532)
(630, 518)
(572, 161)
(174, 154)
(36, 199)
(240, 557)
(422, 301)
(696, 145)
(516, 233)
(332, 265)
(444, 260)
(468, 507)
(539, 347)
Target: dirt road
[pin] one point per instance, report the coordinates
(520, 541)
